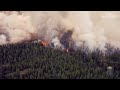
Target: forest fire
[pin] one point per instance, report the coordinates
(67, 50)
(61, 30)
(44, 43)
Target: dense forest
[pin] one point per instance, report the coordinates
(33, 61)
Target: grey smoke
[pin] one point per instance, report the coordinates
(63, 29)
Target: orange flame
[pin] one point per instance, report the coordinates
(44, 43)
(67, 50)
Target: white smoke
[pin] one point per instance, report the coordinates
(91, 29)
(3, 39)
(57, 44)
(18, 27)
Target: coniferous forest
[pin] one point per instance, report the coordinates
(33, 61)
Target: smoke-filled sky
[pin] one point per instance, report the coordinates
(90, 28)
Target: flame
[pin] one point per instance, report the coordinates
(44, 43)
(67, 50)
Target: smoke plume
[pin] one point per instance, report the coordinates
(62, 29)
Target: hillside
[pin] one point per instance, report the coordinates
(33, 61)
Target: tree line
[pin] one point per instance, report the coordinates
(33, 61)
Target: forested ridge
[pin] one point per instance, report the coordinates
(33, 61)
